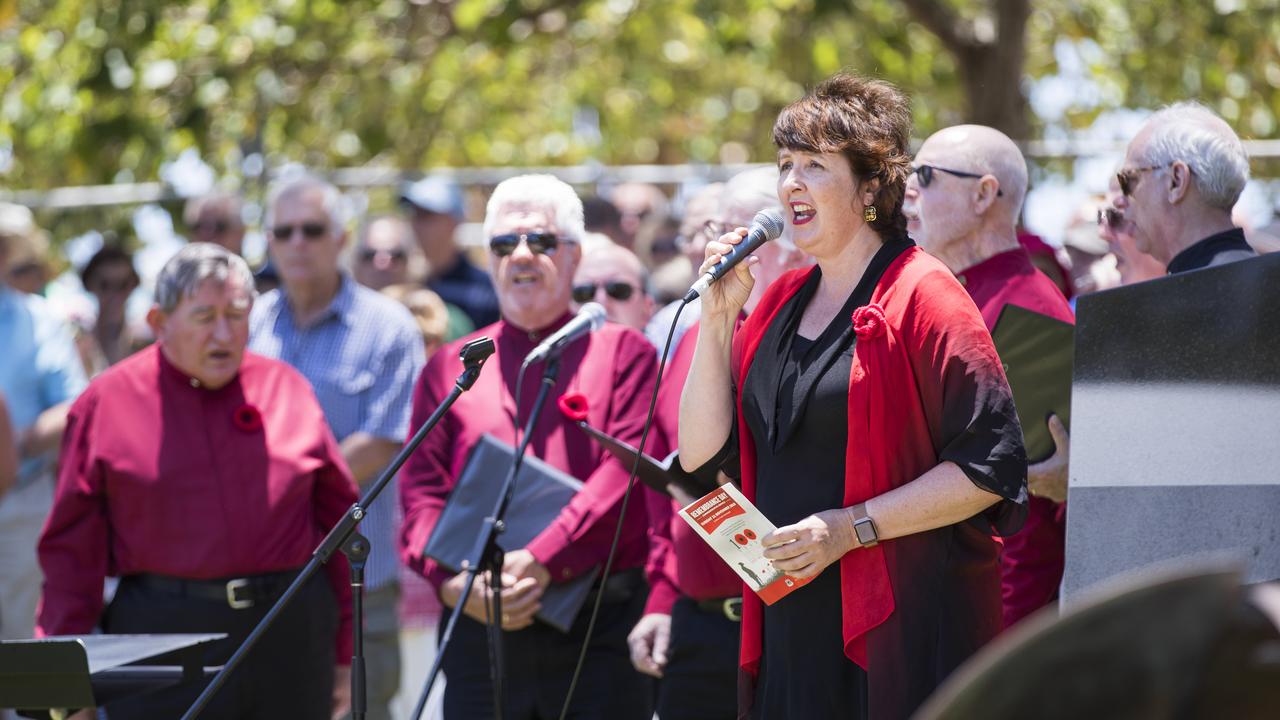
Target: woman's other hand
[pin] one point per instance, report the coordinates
(805, 549)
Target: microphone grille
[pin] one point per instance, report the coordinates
(596, 313)
(771, 221)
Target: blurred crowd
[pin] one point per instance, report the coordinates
(359, 306)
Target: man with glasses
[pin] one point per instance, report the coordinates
(361, 351)
(383, 253)
(534, 225)
(1182, 175)
(698, 225)
(216, 219)
(614, 277)
(962, 204)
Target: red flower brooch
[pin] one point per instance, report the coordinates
(869, 322)
(247, 418)
(573, 406)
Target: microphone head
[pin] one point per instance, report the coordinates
(595, 312)
(771, 222)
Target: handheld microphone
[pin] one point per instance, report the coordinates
(588, 320)
(765, 226)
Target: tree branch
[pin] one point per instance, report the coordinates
(941, 20)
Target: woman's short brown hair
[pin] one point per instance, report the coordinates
(869, 122)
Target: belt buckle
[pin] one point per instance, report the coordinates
(232, 600)
(732, 608)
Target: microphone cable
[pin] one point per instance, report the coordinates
(622, 513)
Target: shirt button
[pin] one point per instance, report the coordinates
(566, 573)
(195, 382)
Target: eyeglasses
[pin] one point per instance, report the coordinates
(111, 286)
(709, 230)
(368, 254)
(541, 243)
(615, 289)
(311, 231)
(925, 174)
(1128, 177)
(1110, 217)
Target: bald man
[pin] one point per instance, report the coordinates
(614, 277)
(962, 204)
(1182, 175)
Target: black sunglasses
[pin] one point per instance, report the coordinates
(615, 289)
(217, 227)
(311, 231)
(1110, 217)
(925, 174)
(1127, 178)
(368, 254)
(539, 242)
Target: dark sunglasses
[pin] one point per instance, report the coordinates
(616, 289)
(539, 242)
(311, 231)
(1110, 217)
(217, 227)
(925, 174)
(111, 286)
(1128, 177)
(367, 255)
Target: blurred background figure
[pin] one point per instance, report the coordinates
(384, 253)
(1089, 259)
(697, 227)
(1133, 265)
(40, 374)
(643, 209)
(110, 278)
(29, 268)
(8, 450)
(216, 218)
(429, 312)
(362, 353)
(436, 208)
(601, 216)
(1045, 258)
(614, 277)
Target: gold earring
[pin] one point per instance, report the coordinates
(869, 213)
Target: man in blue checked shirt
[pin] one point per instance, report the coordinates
(362, 353)
(40, 374)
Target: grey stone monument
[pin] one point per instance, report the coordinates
(1175, 448)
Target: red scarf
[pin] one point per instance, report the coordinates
(895, 406)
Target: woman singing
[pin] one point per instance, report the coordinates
(871, 420)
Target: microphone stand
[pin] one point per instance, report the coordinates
(488, 555)
(344, 536)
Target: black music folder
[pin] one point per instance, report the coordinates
(1037, 353)
(541, 492)
(657, 474)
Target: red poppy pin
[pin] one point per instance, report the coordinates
(869, 322)
(573, 405)
(247, 418)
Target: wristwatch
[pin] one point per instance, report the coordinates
(864, 527)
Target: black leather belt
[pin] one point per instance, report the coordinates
(730, 608)
(619, 587)
(238, 593)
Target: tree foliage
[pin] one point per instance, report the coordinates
(93, 91)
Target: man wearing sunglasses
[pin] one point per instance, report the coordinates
(614, 277)
(534, 225)
(361, 351)
(1182, 175)
(962, 204)
(216, 218)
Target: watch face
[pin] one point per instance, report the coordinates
(866, 531)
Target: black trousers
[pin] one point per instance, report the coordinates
(700, 681)
(288, 674)
(539, 662)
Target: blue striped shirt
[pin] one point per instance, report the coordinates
(362, 356)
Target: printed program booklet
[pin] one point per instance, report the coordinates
(733, 527)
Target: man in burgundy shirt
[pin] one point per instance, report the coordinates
(203, 476)
(689, 633)
(962, 205)
(534, 224)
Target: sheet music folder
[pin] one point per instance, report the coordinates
(541, 492)
(1037, 352)
(657, 474)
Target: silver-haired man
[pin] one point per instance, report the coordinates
(203, 476)
(1182, 175)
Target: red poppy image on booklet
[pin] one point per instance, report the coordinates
(733, 527)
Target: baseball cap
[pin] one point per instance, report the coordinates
(434, 194)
